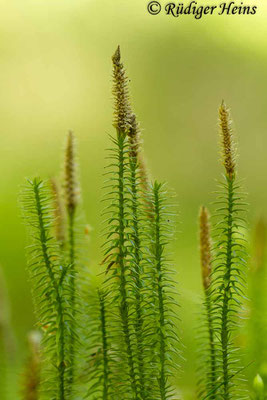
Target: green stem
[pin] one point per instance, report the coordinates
(158, 259)
(104, 346)
(61, 350)
(58, 299)
(124, 306)
(72, 255)
(225, 338)
(138, 282)
(212, 379)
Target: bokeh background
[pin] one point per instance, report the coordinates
(55, 74)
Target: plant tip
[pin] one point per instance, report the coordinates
(228, 154)
(71, 183)
(58, 211)
(122, 108)
(116, 58)
(258, 384)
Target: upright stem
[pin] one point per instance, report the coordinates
(59, 300)
(212, 349)
(61, 350)
(225, 337)
(137, 261)
(71, 220)
(124, 306)
(158, 257)
(104, 346)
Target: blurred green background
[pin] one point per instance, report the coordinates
(55, 74)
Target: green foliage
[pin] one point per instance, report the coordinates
(50, 288)
(207, 352)
(225, 291)
(207, 373)
(136, 265)
(229, 276)
(117, 243)
(166, 342)
(129, 342)
(136, 277)
(71, 202)
(120, 263)
(228, 284)
(98, 351)
(136, 250)
(119, 341)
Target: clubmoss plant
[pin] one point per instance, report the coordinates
(50, 287)
(129, 344)
(230, 264)
(166, 338)
(207, 370)
(129, 269)
(71, 187)
(117, 253)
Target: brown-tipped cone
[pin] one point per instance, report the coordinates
(134, 136)
(205, 247)
(136, 151)
(259, 245)
(122, 109)
(228, 152)
(58, 212)
(71, 183)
